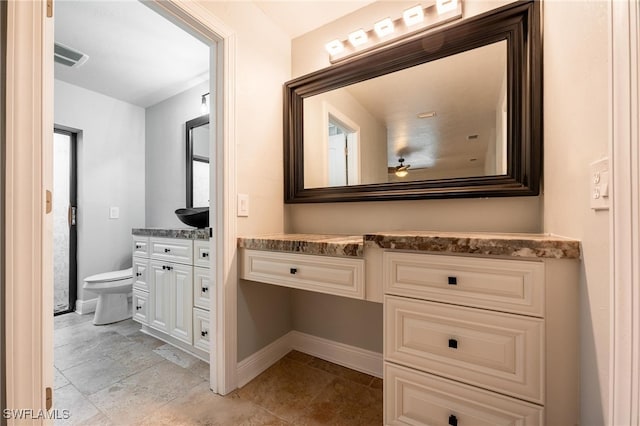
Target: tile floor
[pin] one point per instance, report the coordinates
(115, 375)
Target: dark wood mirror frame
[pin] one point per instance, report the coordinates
(189, 126)
(519, 24)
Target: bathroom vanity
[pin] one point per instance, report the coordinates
(478, 328)
(172, 287)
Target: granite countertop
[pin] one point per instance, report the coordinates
(186, 233)
(326, 245)
(540, 246)
(545, 246)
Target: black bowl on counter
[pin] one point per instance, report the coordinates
(194, 216)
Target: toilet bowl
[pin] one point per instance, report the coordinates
(112, 289)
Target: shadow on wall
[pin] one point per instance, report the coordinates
(592, 394)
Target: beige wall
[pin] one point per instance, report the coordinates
(576, 132)
(262, 66)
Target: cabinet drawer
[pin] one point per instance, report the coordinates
(140, 307)
(140, 272)
(501, 352)
(140, 246)
(201, 255)
(324, 274)
(415, 398)
(202, 288)
(201, 331)
(172, 250)
(505, 285)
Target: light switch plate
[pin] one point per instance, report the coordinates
(243, 205)
(114, 212)
(600, 186)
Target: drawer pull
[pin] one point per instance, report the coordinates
(138, 274)
(453, 343)
(138, 307)
(138, 246)
(293, 271)
(452, 280)
(204, 333)
(205, 254)
(453, 420)
(168, 268)
(205, 289)
(167, 250)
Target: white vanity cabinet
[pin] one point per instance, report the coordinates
(471, 340)
(169, 290)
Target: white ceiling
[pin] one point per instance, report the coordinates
(137, 56)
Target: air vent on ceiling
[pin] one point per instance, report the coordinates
(67, 56)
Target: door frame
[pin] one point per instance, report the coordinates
(73, 229)
(28, 226)
(624, 231)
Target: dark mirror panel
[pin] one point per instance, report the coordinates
(412, 121)
(197, 137)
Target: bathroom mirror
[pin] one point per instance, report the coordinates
(197, 137)
(451, 113)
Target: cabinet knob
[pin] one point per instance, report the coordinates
(205, 254)
(453, 343)
(166, 267)
(452, 280)
(138, 246)
(204, 333)
(167, 250)
(138, 274)
(453, 420)
(138, 307)
(293, 271)
(205, 289)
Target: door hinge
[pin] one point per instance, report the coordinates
(49, 8)
(49, 398)
(73, 215)
(48, 202)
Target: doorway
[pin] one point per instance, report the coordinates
(65, 210)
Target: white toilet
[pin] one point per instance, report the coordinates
(112, 289)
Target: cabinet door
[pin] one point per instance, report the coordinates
(140, 306)
(181, 303)
(160, 278)
(140, 271)
(201, 333)
(202, 288)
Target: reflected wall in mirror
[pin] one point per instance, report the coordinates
(360, 134)
(197, 137)
(451, 113)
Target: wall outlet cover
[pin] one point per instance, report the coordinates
(599, 185)
(114, 212)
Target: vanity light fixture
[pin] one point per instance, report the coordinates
(444, 6)
(384, 28)
(421, 17)
(412, 16)
(204, 108)
(334, 47)
(402, 170)
(358, 38)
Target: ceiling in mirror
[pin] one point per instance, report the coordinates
(454, 112)
(441, 119)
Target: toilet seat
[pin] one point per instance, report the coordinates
(110, 276)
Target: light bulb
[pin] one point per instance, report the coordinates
(413, 16)
(384, 27)
(334, 47)
(358, 38)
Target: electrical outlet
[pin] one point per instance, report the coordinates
(600, 190)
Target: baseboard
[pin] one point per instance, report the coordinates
(256, 363)
(359, 359)
(84, 307)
